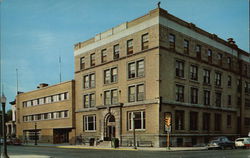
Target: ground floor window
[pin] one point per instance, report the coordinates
(179, 120)
(31, 135)
(89, 123)
(139, 120)
(217, 122)
(247, 121)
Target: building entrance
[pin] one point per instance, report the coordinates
(110, 128)
(61, 136)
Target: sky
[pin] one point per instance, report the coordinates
(34, 33)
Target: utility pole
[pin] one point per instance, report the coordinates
(4, 154)
(134, 131)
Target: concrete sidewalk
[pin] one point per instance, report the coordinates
(119, 148)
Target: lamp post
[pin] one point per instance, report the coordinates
(134, 131)
(4, 153)
(35, 134)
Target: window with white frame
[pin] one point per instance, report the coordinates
(136, 119)
(136, 69)
(218, 78)
(116, 52)
(179, 68)
(194, 72)
(145, 41)
(89, 123)
(136, 93)
(206, 76)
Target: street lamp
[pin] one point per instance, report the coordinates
(134, 131)
(4, 153)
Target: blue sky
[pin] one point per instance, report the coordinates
(34, 33)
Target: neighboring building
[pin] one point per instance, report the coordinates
(51, 109)
(157, 65)
(11, 125)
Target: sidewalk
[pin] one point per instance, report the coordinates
(172, 149)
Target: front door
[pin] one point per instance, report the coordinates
(110, 128)
(110, 132)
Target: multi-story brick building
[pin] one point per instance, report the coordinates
(51, 109)
(157, 65)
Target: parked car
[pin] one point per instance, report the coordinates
(242, 142)
(221, 143)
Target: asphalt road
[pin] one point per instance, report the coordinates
(45, 152)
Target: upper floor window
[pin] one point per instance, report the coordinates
(218, 99)
(194, 95)
(89, 100)
(89, 81)
(247, 87)
(209, 54)
(136, 120)
(194, 72)
(229, 61)
(229, 81)
(145, 41)
(92, 59)
(136, 69)
(206, 76)
(171, 39)
(89, 123)
(220, 56)
(104, 55)
(179, 93)
(130, 47)
(229, 100)
(110, 97)
(110, 75)
(198, 51)
(218, 78)
(136, 93)
(206, 97)
(186, 46)
(116, 52)
(82, 63)
(179, 68)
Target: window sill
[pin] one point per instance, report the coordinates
(111, 83)
(181, 78)
(88, 88)
(194, 81)
(87, 131)
(207, 84)
(137, 130)
(129, 79)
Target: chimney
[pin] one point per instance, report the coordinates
(42, 85)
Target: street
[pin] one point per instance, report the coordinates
(33, 152)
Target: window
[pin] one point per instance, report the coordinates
(89, 123)
(179, 68)
(130, 47)
(92, 59)
(186, 46)
(206, 76)
(82, 63)
(220, 56)
(209, 54)
(217, 122)
(206, 97)
(229, 120)
(229, 62)
(179, 93)
(66, 114)
(193, 120)
(218, 79)
(194, 72)
(229, 81)
(229, 100)
(136, 93)
(247, 121)
(198, 51)
(110, 97)
(110, 75)
(247, 87)
(89, 100)
(48, 99)
(89, 81)
(104, 55)
(194, 95)
(179, 120)
(136, 69)
(206, 121)
(145, 41)
(247, 103)
(139, 120)
(171, 39)
(218, 99)
(116, 52)
(239, 85)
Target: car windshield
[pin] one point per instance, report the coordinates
(214, 141)
(239, 140)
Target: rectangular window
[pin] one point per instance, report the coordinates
(145, 41)
(247, 103)
(136, 93)
(86, 81)
(114, 96)
(110, 75)
(186, 46)
(206, 76)
(89, 100)
(89, 81)
(206, 121)
(209, 54)
(194, 95)
(104, 55)
(229, 100)
(217, 122)
(193, 120)
(218, 79)
(229, 81)
(107, 96)
(136, 120)
(110, 97)
(220, 56)
(247, 121)
(179, 93)
(218, 99)
(229, 120)
(198, 51)
(206, 97)
(89, 123)
(116, 52)
(179, 120)
(171, 39)
(179, 68)
(130, 47)
(92, 59)
(136, 69)
(194, 72)
(229, 62)
(82, 63)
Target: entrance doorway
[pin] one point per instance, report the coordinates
(110, 128)
(61, 136)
